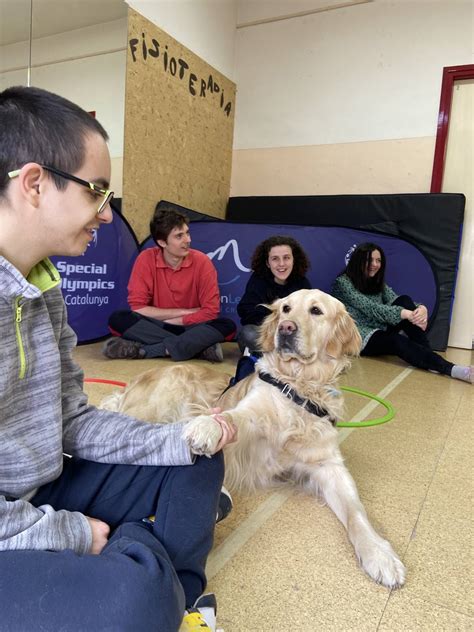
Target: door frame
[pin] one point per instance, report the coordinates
(450, 75)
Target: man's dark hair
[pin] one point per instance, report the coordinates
(301, 262)
(164, 219)
(42, 127)
(356, 269)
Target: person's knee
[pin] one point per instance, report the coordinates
(248, 337)
(147, 604)
(135, 580)
(149, 592)
(225, 326)
(404, 301)
(122, 319)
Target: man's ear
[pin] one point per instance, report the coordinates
(31, 180)
(161, 243)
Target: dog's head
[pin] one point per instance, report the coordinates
(308, 325)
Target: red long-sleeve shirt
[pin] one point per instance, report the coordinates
(194, 284)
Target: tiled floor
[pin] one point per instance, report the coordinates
(282, 562)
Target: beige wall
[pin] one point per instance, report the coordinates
(389, 166)
(344, 100)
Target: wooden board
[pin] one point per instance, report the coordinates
(179, 124)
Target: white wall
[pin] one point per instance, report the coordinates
(207, 27)
(369, 72)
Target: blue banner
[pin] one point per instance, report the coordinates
(231, 245)
(95, 284)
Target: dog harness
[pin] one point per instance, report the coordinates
(289, 392)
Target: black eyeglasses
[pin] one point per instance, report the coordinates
(108, 195)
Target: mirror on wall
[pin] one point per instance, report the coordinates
(38, 34)
(15, 50)
(75, 48)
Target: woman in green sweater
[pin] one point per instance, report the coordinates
(381, 315)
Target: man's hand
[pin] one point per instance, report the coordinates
(229, 431)
(100, 534)
(207, 434)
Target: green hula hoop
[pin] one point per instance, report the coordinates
(368, 422)
(340, 424)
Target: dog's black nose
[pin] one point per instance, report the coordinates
(287, 328)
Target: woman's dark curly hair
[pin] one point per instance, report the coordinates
(356, 269)
(301, 262)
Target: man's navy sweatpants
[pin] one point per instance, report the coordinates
(145, 576)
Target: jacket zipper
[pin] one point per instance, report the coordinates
(18, 309)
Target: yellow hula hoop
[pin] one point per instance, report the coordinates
(390, 414)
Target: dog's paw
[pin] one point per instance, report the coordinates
(382, 564)
(202, 434)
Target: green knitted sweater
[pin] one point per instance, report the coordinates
(369, 311)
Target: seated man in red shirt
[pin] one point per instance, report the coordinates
(174, 300)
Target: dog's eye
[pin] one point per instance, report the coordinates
(285, 309)
(315, 311)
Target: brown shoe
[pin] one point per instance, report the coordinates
(120, 349)
(213, 353)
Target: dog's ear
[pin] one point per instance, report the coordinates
(346, 339)
(266, 339)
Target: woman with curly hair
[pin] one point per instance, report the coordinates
(381, 315)
(279, 266)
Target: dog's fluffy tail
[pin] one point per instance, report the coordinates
(112, 402)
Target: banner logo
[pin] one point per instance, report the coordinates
(349, 253)
(219, 254)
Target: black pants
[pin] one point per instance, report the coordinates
(247, 337)
(414, 348)
(158, 337)
(146, 574)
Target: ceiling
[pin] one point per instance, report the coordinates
(54, 16)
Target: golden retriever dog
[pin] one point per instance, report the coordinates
(285, 414)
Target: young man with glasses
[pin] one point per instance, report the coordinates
(76, 548)
(174, 299)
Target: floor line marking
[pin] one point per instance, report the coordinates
(219, 557)
(223, 553)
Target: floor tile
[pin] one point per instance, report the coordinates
(404, 613)
(439, 557)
